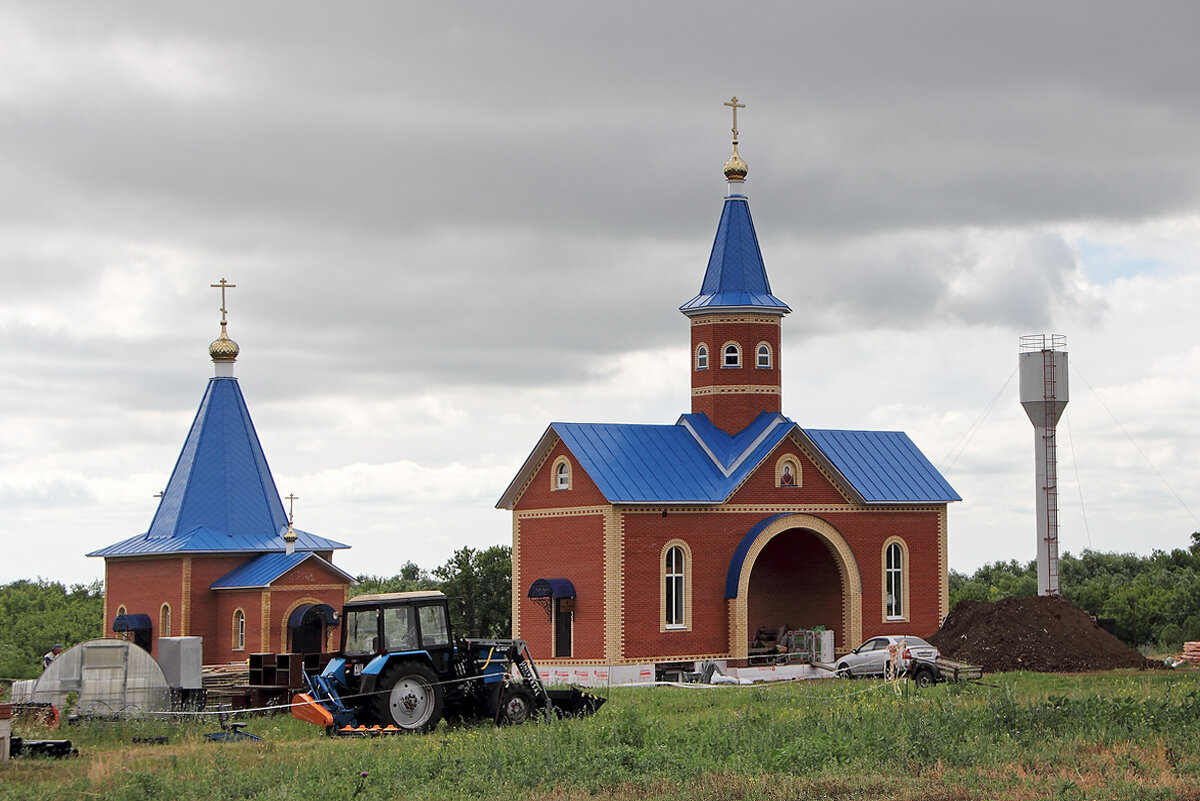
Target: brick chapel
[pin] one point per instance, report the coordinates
(640, 544)
(221, 559)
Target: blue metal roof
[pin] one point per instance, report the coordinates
(221, 496)
(736, 275)
(883, 466)
(695, 462)
(690, 462)
(262, 570)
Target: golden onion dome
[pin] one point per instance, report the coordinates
(223, 349)
(735, 168)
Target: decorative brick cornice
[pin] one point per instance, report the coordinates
(737, 389)
(567, 511)
(724, 319)
(773, 509)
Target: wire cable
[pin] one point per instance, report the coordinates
(1132, 441)
(971, 431)
(1078, 484)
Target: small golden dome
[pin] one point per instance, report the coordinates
(223, 349)
(735, 168)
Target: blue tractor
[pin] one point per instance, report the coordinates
(400, 668)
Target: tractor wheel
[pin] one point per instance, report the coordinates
(843, 671)
(409, 698)
(923, 678)
(517, 706)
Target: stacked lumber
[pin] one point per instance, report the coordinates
(225, 680)
(1191, 652)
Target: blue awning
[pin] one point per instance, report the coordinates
(325, 611)
(552, 588)
(132, 623)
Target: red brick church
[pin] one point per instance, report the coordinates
(651, 544)
(221, 559)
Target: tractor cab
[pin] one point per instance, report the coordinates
(397, 622)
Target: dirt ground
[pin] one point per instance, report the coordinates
(1041, 633)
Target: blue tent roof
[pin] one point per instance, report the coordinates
(221, 496)
(736, 276)
(693, 461)
(262, 570)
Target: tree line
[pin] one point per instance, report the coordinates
(1153, 601)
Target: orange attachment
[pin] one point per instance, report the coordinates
(306, 709)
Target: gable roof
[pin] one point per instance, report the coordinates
(736, 276)
(221, 496)
(882, 466)
(261, 571)
(695, 462)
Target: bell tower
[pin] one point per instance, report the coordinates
(735, 320)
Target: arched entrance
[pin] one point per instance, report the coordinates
(795, 570)
(307, 627)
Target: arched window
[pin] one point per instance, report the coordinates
(894, 581)
(733, 356)
(562, 474)
(121, 610)
(763, 359)
(239, 630)
(702, 357)
(676, 586)
(164, 621)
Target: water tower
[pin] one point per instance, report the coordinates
(1044, 395)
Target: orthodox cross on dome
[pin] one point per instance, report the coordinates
(224, 351)
(290, 536)
(735, 168)
(735, 105)
(226, 285)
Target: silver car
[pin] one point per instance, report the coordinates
(875, 656)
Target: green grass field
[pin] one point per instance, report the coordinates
(1118, 735)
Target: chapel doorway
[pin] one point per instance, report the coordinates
(307, 628)
(795, 583)
(564, 614)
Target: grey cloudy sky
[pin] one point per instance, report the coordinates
(451, 224)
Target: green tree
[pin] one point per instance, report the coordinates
(37, 614)
(410, 579)
(483, 580)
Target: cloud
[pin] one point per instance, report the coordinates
(449, 227)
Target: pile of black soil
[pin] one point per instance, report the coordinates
(1042, 633)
